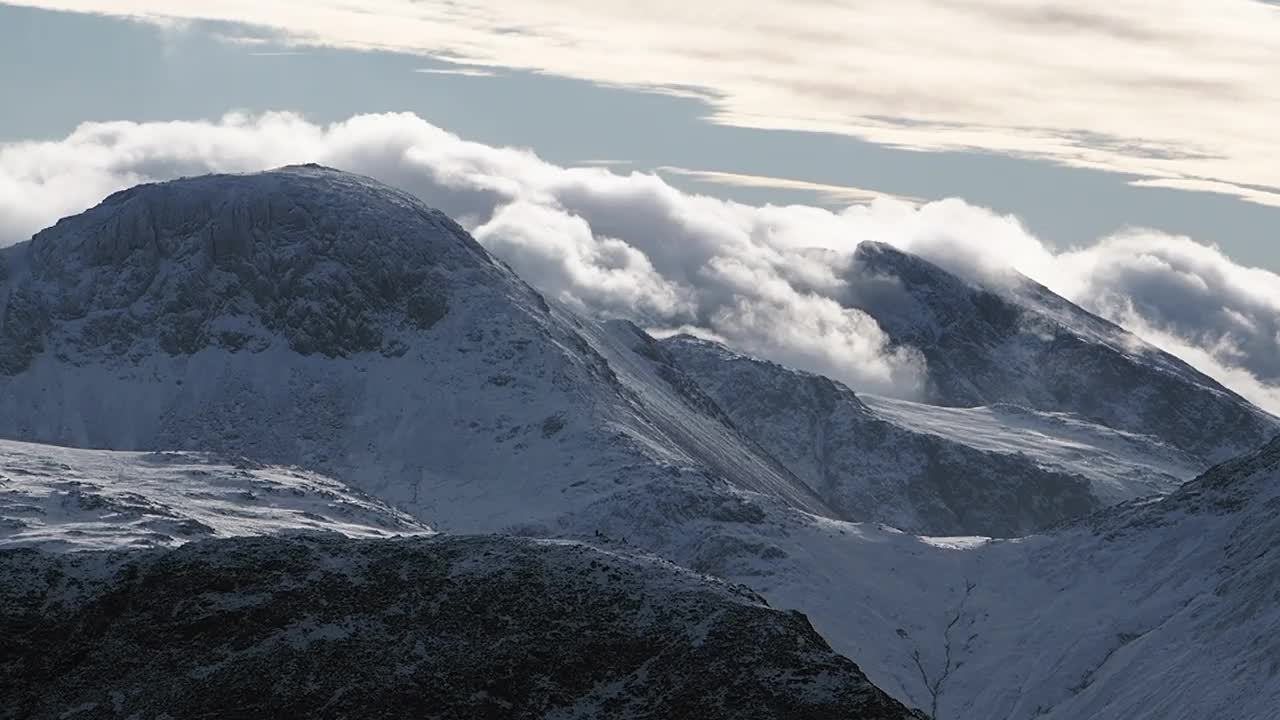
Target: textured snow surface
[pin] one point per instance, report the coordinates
(62, 498)
(1151, 610)
(328, 263)
(462, 627)
(1119, 465)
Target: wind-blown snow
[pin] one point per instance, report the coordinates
(61, 498)
(1119, 465)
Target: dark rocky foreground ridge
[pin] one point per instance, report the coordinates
(463, 627)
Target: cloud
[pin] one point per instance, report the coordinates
(1222, 362)
(600, 242)
(554, 250)
(834, 194)
(1175, 291)
(464, 72)
(766, 279)
(1180, 95)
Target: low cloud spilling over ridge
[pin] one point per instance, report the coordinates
(763, 278)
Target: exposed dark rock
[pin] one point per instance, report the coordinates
(466, 627)
(327, 261)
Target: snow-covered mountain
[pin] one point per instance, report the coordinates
(995, 471)
(470, 627)
(311, 317)
(1011, 340)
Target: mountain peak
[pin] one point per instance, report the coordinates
(236, 214)
(875, 248)
(874, 257)
(1015, 341)
(323, 259)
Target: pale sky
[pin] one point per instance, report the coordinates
(1180, 91)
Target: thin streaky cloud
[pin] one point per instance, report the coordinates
(464, 72)
(1261, 197)
(833, 194)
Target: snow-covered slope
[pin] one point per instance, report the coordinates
(1150, 610)
(1156, 610)
(466, 627)
(996, 471)
(62, 498)
(1119, 465)
(1011, 340)
(311, 317)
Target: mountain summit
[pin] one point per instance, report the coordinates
(1014, 341)
(326, 262)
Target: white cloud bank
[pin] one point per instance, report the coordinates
(763, 278)
(1181, 93)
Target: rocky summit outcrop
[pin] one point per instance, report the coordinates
(465, 627)
(329, 263)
